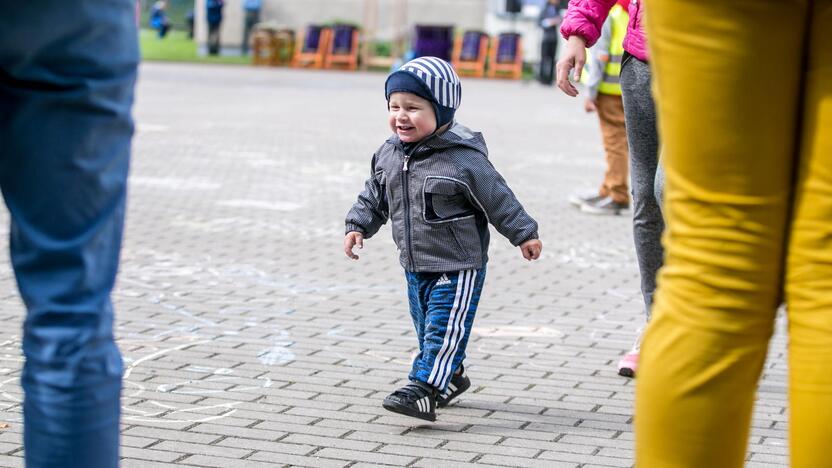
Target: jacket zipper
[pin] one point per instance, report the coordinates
(406, 188)
(409, 240)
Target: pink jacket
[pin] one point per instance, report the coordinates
(585, 17)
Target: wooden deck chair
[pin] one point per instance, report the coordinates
(432, 40)
(284, 47)
(311, 48)
(343, 48)
(506, 57)
(272, 46)
(470, 53)
(263, 46)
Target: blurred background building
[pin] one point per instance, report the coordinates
(383, 21)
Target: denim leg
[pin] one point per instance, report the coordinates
(451, 308)
(643, 138)
(416, 287)
(251, 19)
(213, 39)
(67, 72)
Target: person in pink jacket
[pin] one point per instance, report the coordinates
(581, 28)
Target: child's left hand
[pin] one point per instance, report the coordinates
(531, 249)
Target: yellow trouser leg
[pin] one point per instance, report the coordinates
(809, 260)
(728, 78)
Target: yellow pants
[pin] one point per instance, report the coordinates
(744, 97)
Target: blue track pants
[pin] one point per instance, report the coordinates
(443, 306)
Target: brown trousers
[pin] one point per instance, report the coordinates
(614, 133)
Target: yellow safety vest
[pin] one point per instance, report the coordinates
(611, 84)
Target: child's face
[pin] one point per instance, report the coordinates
(411, 117)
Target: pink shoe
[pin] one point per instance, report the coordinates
(628, 364)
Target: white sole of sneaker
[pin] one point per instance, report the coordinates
(575, 201)
(578, 200)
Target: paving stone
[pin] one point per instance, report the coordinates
(202, 449)
(152, 454)
(370, 457)
(500, 449)
(346, 444)
(501, 460)
(267, 446)
(137, 463)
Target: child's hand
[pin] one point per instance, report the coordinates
(351, 240)
(531, 249)
(590, 106)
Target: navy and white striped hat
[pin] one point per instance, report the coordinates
(431, 78)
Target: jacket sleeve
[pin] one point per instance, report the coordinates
(370, 211)
(584, 18)
(492, 195)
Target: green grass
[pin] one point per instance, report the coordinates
(176, 47)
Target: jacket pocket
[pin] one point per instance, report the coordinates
(452, 242)
(445, 200)
(467, 238)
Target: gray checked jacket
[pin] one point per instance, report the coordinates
(440, 196)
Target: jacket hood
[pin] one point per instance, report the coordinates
(456, 135)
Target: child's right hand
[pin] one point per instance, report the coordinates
(351, 240)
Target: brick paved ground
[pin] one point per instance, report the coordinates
(251, 341)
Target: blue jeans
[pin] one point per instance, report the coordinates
(443, 306)
(67, 72)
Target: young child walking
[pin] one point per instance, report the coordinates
(433, 180)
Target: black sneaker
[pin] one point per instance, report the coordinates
(459, 383)
(416, 399)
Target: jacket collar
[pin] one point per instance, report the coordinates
(456, 135)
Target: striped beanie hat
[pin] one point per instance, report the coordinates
(430, 78)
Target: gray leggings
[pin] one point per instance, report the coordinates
(647, 179)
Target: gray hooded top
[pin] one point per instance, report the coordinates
(440, 196)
